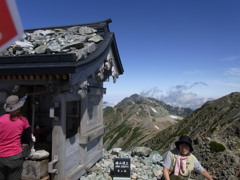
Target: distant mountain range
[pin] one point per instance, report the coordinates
(214, 128)
(138, 119)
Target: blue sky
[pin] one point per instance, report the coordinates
(181, 51)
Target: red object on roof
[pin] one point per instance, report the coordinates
(10, 26)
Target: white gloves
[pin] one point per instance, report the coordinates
(33, 138)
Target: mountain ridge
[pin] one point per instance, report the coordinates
(137, 117)
(215, 130)
(138, 99)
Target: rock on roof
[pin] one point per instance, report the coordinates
(81, 40)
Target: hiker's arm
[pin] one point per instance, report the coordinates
(206, 175)
(166, 173)
(26, 136)
(198, 168)
(166, 165)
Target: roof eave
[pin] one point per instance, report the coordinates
(59, 63)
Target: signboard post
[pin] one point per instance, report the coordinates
(121, 169)
(10, 24)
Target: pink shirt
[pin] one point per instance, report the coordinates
(10, 135)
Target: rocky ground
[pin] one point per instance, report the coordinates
(146, 164)
(222, 165)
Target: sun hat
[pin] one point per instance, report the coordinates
(184, 139)
(12, 103)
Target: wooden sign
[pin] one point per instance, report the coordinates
(10, 25)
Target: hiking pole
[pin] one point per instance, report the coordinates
(33, 121)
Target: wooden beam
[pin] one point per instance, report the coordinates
(19, 77)
(36, 77)
(50, 77)
(57, 76)
(64, 76)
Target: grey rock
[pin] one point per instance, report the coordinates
(141, 151)
(38, 43)
(28, 51)
(24, 44)
(86, 30)
(48, 32)
(45, 32)
(40, 154)
(53, 46)
(73, 30)
(158, 172)
(95, 39)
(155, 157)
(77, 44)
(60, 31)
(40, 49)
(62, 40)
(4, 53)
(19, 52)
(73, 37)
(116, 151)
(81, 53)
(17, 48)
(90, 47)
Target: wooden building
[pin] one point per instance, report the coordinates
(62, 69)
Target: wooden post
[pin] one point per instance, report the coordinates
(59, 139)
(83, 126)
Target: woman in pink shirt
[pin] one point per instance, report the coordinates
(12, 126)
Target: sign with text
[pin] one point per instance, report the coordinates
(10, 24)
(122, 167)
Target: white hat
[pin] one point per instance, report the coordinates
(12, 103)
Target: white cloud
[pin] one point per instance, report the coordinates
(233, 71)
(227, 84)
(109, 103)
(151, 92)
(182, 98)
(198, 83)
(179, 95)
(231, 58)
(193, 72)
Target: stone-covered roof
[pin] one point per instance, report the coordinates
(60, 50)
(80, 40)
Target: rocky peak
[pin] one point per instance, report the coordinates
(135, 119)
(137, 99)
